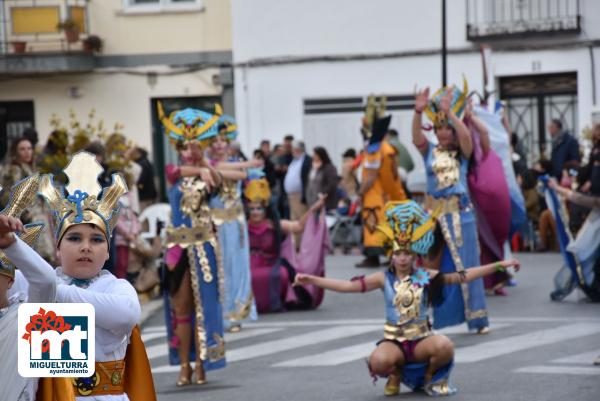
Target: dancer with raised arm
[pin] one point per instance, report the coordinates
(446, 166)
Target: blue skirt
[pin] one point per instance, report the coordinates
(208, 307)
(238, 305)
(452, 311)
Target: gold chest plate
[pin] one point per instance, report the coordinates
(194, 200)
(446, 167)
(407, 299)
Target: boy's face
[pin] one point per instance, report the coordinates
(83, 251)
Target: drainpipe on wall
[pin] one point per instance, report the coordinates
(593, 74)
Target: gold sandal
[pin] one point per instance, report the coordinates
(200, 374)
(392, 389)
(185, 380)
(484, 330)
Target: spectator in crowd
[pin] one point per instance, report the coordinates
(236, 153)
(296, 182)
(591, 172)
(32, 135)
(281, 168)
(403, 158)
(265, 146)
(287, 156)
(518, 154)
(547, 225)
(565, 148)
(145, 184)
(20, 165)
(531, 196)
(276, 154)
(127, 230)
(322, 179)
(268, 167)
(349, 181)
(53, 157)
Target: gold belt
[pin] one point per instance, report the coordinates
(107, 380)
(406, 332)
(186, 236)
(221, 216)
(449, 206)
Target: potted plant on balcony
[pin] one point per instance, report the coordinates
(19, 46)
(71, 30)
(93, 43)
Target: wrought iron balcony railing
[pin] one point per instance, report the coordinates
(502, 19)
(49, 26)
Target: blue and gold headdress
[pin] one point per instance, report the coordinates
(459, 102)
(408, 227)
(228, 127)
(258, 190)
(84, 202)
(22, 195)
(190, 125)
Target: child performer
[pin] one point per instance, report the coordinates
(409, 352)
(84, 216)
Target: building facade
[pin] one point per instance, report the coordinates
(307, 68)
(176, 51)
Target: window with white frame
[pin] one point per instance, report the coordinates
(162, 5)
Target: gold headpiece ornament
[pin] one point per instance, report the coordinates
(408, 227)
(459, 102)
(22, 195)
(190, 124)
(85, 201)
(258, 191)
(374, 110)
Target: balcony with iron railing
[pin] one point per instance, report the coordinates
(44, 36)
(505, 19)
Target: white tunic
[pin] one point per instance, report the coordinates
(41, 288)
(115, 302)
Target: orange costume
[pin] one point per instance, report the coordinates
(379, 156)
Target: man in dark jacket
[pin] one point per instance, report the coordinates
(146, 185)
(565, 148)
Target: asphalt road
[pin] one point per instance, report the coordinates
(537, 350)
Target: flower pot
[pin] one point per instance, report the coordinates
(19, 46)
(72, 35)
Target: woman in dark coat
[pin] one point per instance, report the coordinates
(322, 179)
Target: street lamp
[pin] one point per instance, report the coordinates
(444, 80)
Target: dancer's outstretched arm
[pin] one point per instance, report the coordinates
(253, 163)
(361, 284)
(473, 273)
